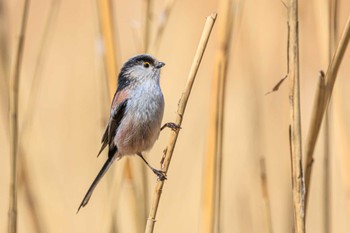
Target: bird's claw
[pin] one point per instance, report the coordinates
(161, 175)
(172, 126)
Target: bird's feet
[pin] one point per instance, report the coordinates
(161, 175)
(172, 126)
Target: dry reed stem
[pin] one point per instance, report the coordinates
(36, 81)
(105, 14)
(265, 195)
(298, 187)
(327, 211)
(14, 94)
(180, 113)
(24, 182)
(163, 20)
(211, 200)
(4, 54)
(106, 26)
(146, 44)
(28, 115)
(4, 61)
(320, 109)
(107, 31)
(316, 118)
(133, 201)
(147, 29)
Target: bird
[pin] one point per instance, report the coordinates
(135, 116)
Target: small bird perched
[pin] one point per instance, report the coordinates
(136, 115)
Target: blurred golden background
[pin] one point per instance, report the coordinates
(64, 104)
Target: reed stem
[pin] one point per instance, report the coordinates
(298, 187)
(180, 113)
(14, 96)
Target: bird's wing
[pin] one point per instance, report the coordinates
(117, 112)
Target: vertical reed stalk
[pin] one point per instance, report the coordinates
(163, 20)
(105, 14)
(29, 192)
(14, 94)
(106, 27)
(4, 62)
(211, 200)
(298, 187)
(37, 77)
(147, 29)
(180, 113)
(24, 182)
(265, 195)
(145, 48)
(332, 30)
(319, 109)
(316, 118)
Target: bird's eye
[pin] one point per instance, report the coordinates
(146, 64)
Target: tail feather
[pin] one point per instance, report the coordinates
(103, 170)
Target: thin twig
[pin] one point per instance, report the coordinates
(327, 210)
(298, 187)
(4, 63)
(146, 45)
(106, 26)
(180, 113)
(162, 22)
(320, 109)
(37, 77)
(12, 214)
(211, 199)
(24, 182)
(315, 120)
(38, 221)
(147, 22)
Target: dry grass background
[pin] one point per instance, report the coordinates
(61, 139)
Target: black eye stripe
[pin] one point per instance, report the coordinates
(144, 59)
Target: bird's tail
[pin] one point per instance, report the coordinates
(103, 170)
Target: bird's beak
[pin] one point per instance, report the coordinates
(160, 65)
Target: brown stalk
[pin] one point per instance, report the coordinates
(4, 61)
(4, 54)
(327, 211)
(105, 14)
(265, 195)
(163, 20)
(36, 81)
(211, 200)
(106, 27)
(24, 180)
(319, 109)
(316, 119)
(14, 94)
(146, 45)
(147, 29)
(180, 113)
(298, 187)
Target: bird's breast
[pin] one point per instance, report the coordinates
(140, 126)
